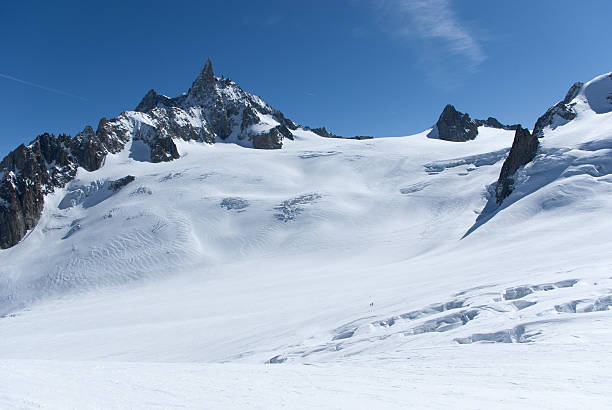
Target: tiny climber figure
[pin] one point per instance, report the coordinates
(371, 303)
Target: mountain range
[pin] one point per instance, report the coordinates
(213, 110)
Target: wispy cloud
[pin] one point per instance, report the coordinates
(445, 45)
(42, 87)
(436, 20)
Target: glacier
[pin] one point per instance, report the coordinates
(331, 273)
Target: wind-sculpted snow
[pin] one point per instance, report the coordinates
(598, 94)
(151, 250)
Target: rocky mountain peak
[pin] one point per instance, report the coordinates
(208, 72)
(449, 111)
(560, 113)
(152, 100)
(459, 127)
(87, 133)
(455, 126)
(572, 92)
(205, 81)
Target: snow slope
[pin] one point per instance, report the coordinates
(333, 273)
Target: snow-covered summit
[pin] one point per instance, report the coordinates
(217, 109)
(597, 93)
(595, 96)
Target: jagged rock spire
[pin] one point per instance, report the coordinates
(456, 126)
(524, 149)
(206, 79)
(148, 102)
(207, 71)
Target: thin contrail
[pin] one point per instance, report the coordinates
(53, 90)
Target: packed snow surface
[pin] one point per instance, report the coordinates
(332, 273)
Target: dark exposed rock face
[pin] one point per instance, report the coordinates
(278, 116)
(49, 162)
(322, 132)
(152, 100)
(164, 150)
(455, 126)
(494, 123)
(459, 127)
(524, 149)
(212, 108)
(22, 188)
(525, 144)
(273, 139)
(560, 113)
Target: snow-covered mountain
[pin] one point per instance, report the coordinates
(214, 109)
(404, 271)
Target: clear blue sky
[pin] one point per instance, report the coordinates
(369, 67)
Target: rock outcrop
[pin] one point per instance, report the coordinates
(459, 127)
(524, 149)
(323, 132)
(525, 144)
(492, 122)
(559, 114)
(49, 162)
(455, 126)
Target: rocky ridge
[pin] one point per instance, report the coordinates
(49, 162)
(525, 144)
(323, 132)
(459, 127)
(214, 109)
(564, 110)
